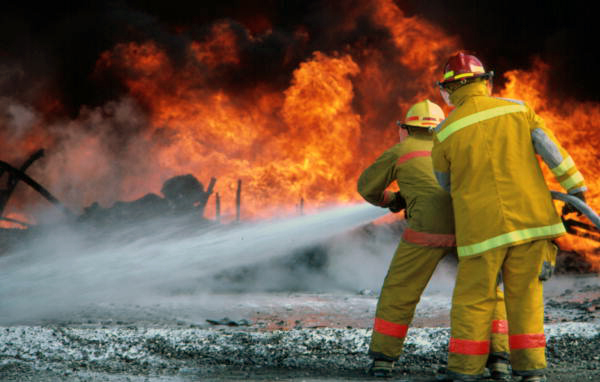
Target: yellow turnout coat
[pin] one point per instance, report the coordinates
(484, 153)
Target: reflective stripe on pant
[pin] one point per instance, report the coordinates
(473, 305)
(408, 275)
(499, 336)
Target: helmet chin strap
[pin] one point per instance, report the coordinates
(445, 96)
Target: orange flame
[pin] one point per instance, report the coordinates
(309, 141)
(17, 217)
(306, 142)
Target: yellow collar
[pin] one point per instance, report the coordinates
(460, 95)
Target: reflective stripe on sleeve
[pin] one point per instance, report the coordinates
(546, 148)
(509, 238)
(500, 326)
(389, 328)
(563, 167)
(469, 347)
(477, 117)
(572, 181)
(414, 154)
(527, 341)
(428, 239)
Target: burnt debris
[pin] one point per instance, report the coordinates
(184, 196)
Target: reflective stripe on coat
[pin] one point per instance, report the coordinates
(499, 194)
(429, 208)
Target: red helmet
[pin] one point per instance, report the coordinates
(461, 66)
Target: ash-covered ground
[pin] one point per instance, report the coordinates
(298, 306)
(269, 336)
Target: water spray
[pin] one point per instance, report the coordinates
(61, 273)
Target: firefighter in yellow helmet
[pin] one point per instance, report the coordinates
(484, 154)
(427, 239)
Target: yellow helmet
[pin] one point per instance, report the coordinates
(423, 114)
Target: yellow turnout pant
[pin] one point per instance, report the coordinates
(474, 301)
(409, 272)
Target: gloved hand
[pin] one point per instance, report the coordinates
(568, 208)
(398, 203)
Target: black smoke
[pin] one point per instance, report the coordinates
(52, 48)
(510, 34)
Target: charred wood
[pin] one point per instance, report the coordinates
(20, 175)
(184, 196)
(6, 193)
(238, 200)
(218, 207)
(24, 224)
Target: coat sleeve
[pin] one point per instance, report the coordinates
(374, 180)
(441, 165)
(555, 156)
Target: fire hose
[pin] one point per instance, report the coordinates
(574, 226)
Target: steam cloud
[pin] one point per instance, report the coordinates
(69, 268)
(53, 94)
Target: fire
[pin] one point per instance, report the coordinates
(284, 147)
(416, 52)
(13, 219)
(307, 140)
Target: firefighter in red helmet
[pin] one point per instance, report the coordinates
(427, 239)
(484, 154)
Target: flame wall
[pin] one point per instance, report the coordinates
(294, 99)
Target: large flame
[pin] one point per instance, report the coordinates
(307, 142)
(299, 144)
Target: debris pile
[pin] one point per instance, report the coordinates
(184, 196)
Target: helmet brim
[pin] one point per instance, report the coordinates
(487, 75)
(405, 126)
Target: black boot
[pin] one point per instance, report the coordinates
(499, 368)
(381, 368)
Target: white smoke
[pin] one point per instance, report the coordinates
(66, 268)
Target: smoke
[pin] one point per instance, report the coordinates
(100, 155)
(509, 35)
(18, 118)
(67, 268)
(97, 153)
(361, 261)
(67, 85)
(76, 89)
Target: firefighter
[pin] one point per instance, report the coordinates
(484, 154)
(427, 239)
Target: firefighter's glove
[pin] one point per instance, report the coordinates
(546, 272)
(398, 203)
(568, 208)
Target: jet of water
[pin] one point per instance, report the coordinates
(63, 269)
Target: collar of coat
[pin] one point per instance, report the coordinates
(460, 95)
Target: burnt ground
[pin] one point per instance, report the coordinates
(271, 336)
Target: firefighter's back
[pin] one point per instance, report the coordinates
(429, 207)
(497, 184)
